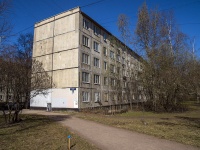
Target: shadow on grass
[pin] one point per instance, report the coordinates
(190, 119)
(166, 123)
(29, 122)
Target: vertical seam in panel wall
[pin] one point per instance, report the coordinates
(52, 60)
(79, 57)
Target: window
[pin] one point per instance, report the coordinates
(105, 81)
(105, 97)
(105, 51)
(96, 79)
(118, 58)
(85, 24)
(96, 62)
(96, 46)
(123, 60)
(112, 55)
(85, 77)
(112, 68)
(105, 65)
(85, 41)
(85, 58)
(96, 97)
(86, 96)
(112, 82)
(104, 37)
(96, 30)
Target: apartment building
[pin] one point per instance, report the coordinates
(86, 62)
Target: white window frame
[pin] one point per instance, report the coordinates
(112, 55)
(85, 24)
(96, 62)
(85, 41)
(96, 96)
(105, 51)
(85, 96)
(118, 58)
(96, 30)
(85, 59)
(96, 46)
(96, 79)
(112, 68)
(112, 80)
(104, 37)
(85, 77)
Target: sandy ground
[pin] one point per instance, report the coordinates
(110, 138)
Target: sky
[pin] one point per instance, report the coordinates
(25, 13)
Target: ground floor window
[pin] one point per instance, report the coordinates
(105, 97)
(97, 96)
(86, 96)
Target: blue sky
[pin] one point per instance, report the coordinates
(27, 12)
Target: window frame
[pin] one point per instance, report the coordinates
(112, 55)
(96, 79)
(85, 96)
(85, 41)
(97, 95)
(85, 75)
(112, 68)
(96, 46)
(105, 51)
(96, 62)
(85, 59)
(85, 24)
(96, 30)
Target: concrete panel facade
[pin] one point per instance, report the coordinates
(64, 59)
(44, 31)
(64, 25)
(66, 78)
(66, 41)
(43, 47)
(46, 61)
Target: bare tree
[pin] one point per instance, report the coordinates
(163, 80)
(20, 76)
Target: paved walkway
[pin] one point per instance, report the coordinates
(110, 138)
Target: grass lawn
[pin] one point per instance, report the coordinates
(180, 127)
(38, 133)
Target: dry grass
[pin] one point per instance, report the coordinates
(180, 127)
(38, 132)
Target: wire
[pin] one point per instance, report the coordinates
(92, 3)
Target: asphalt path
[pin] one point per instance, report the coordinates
(111, 138)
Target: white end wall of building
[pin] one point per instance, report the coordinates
(59, 98)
